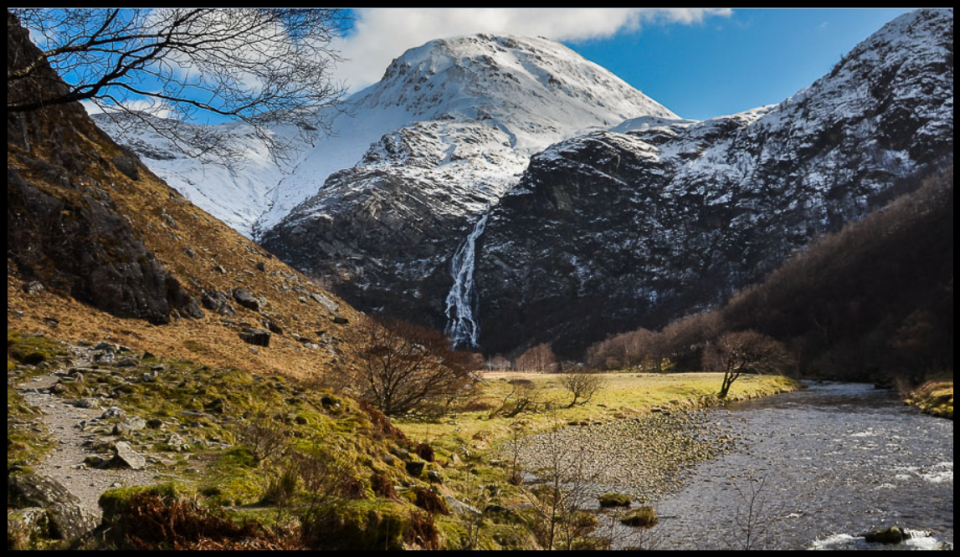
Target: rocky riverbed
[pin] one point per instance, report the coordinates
(644, 457)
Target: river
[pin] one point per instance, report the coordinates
(835, 460)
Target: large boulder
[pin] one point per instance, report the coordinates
(68, 519)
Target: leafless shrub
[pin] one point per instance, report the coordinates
(582, 385)
(524, 396)
(266, 437)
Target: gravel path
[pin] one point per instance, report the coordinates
(65, 462)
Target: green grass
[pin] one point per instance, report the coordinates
(623, 395)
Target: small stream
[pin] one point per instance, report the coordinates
(835, 460)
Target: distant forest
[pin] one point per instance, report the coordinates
(871, 302)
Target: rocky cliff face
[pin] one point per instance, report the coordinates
(611, 231)
(68, 234)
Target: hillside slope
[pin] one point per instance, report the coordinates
(99, 247)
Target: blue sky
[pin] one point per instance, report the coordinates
(698, 62)
(724, 65)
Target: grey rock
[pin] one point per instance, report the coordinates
(246, 299)
(460, 507)
(66, 513)
(87, 403)
(113, 412)
(135, 423)
(126, 457)
(326, 302)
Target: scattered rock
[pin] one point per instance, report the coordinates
(460, 507)
(435, 477)
(218, 302)
(135, 423)
(246, 299)
(127, 457)
(113, 412)
(33, 287)
(415, 468)
(273, 326)
(339, 320)
(261, 267)
(87, 403)
(218, 406)
(257, 337)
(127, 164)
(326, 302)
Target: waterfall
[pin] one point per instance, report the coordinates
(462, 325)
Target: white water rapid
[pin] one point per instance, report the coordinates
(462, 325)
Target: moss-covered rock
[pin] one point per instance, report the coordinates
(615, 500)
(29, 529)
(113, 501)
(362, 525)
(891, 535)
(642, 517)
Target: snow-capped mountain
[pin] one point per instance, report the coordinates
(610, 231)
(479, 107)
(513, 192)
(474, 108)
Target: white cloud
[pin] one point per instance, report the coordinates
(154, 107)
(382, 34)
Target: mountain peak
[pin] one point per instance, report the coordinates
(495, 75)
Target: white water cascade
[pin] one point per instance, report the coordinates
(462, 325)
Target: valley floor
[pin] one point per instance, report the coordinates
(185, 436)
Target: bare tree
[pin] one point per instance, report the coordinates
(404, 367)
(267, 437)
(745, 352)
(524, 395)
(582, 385)
(499, 363)
(539, 358)
(257, 65)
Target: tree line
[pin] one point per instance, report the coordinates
(871, 301)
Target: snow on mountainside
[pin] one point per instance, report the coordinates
(610, 231)
(473, 107)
